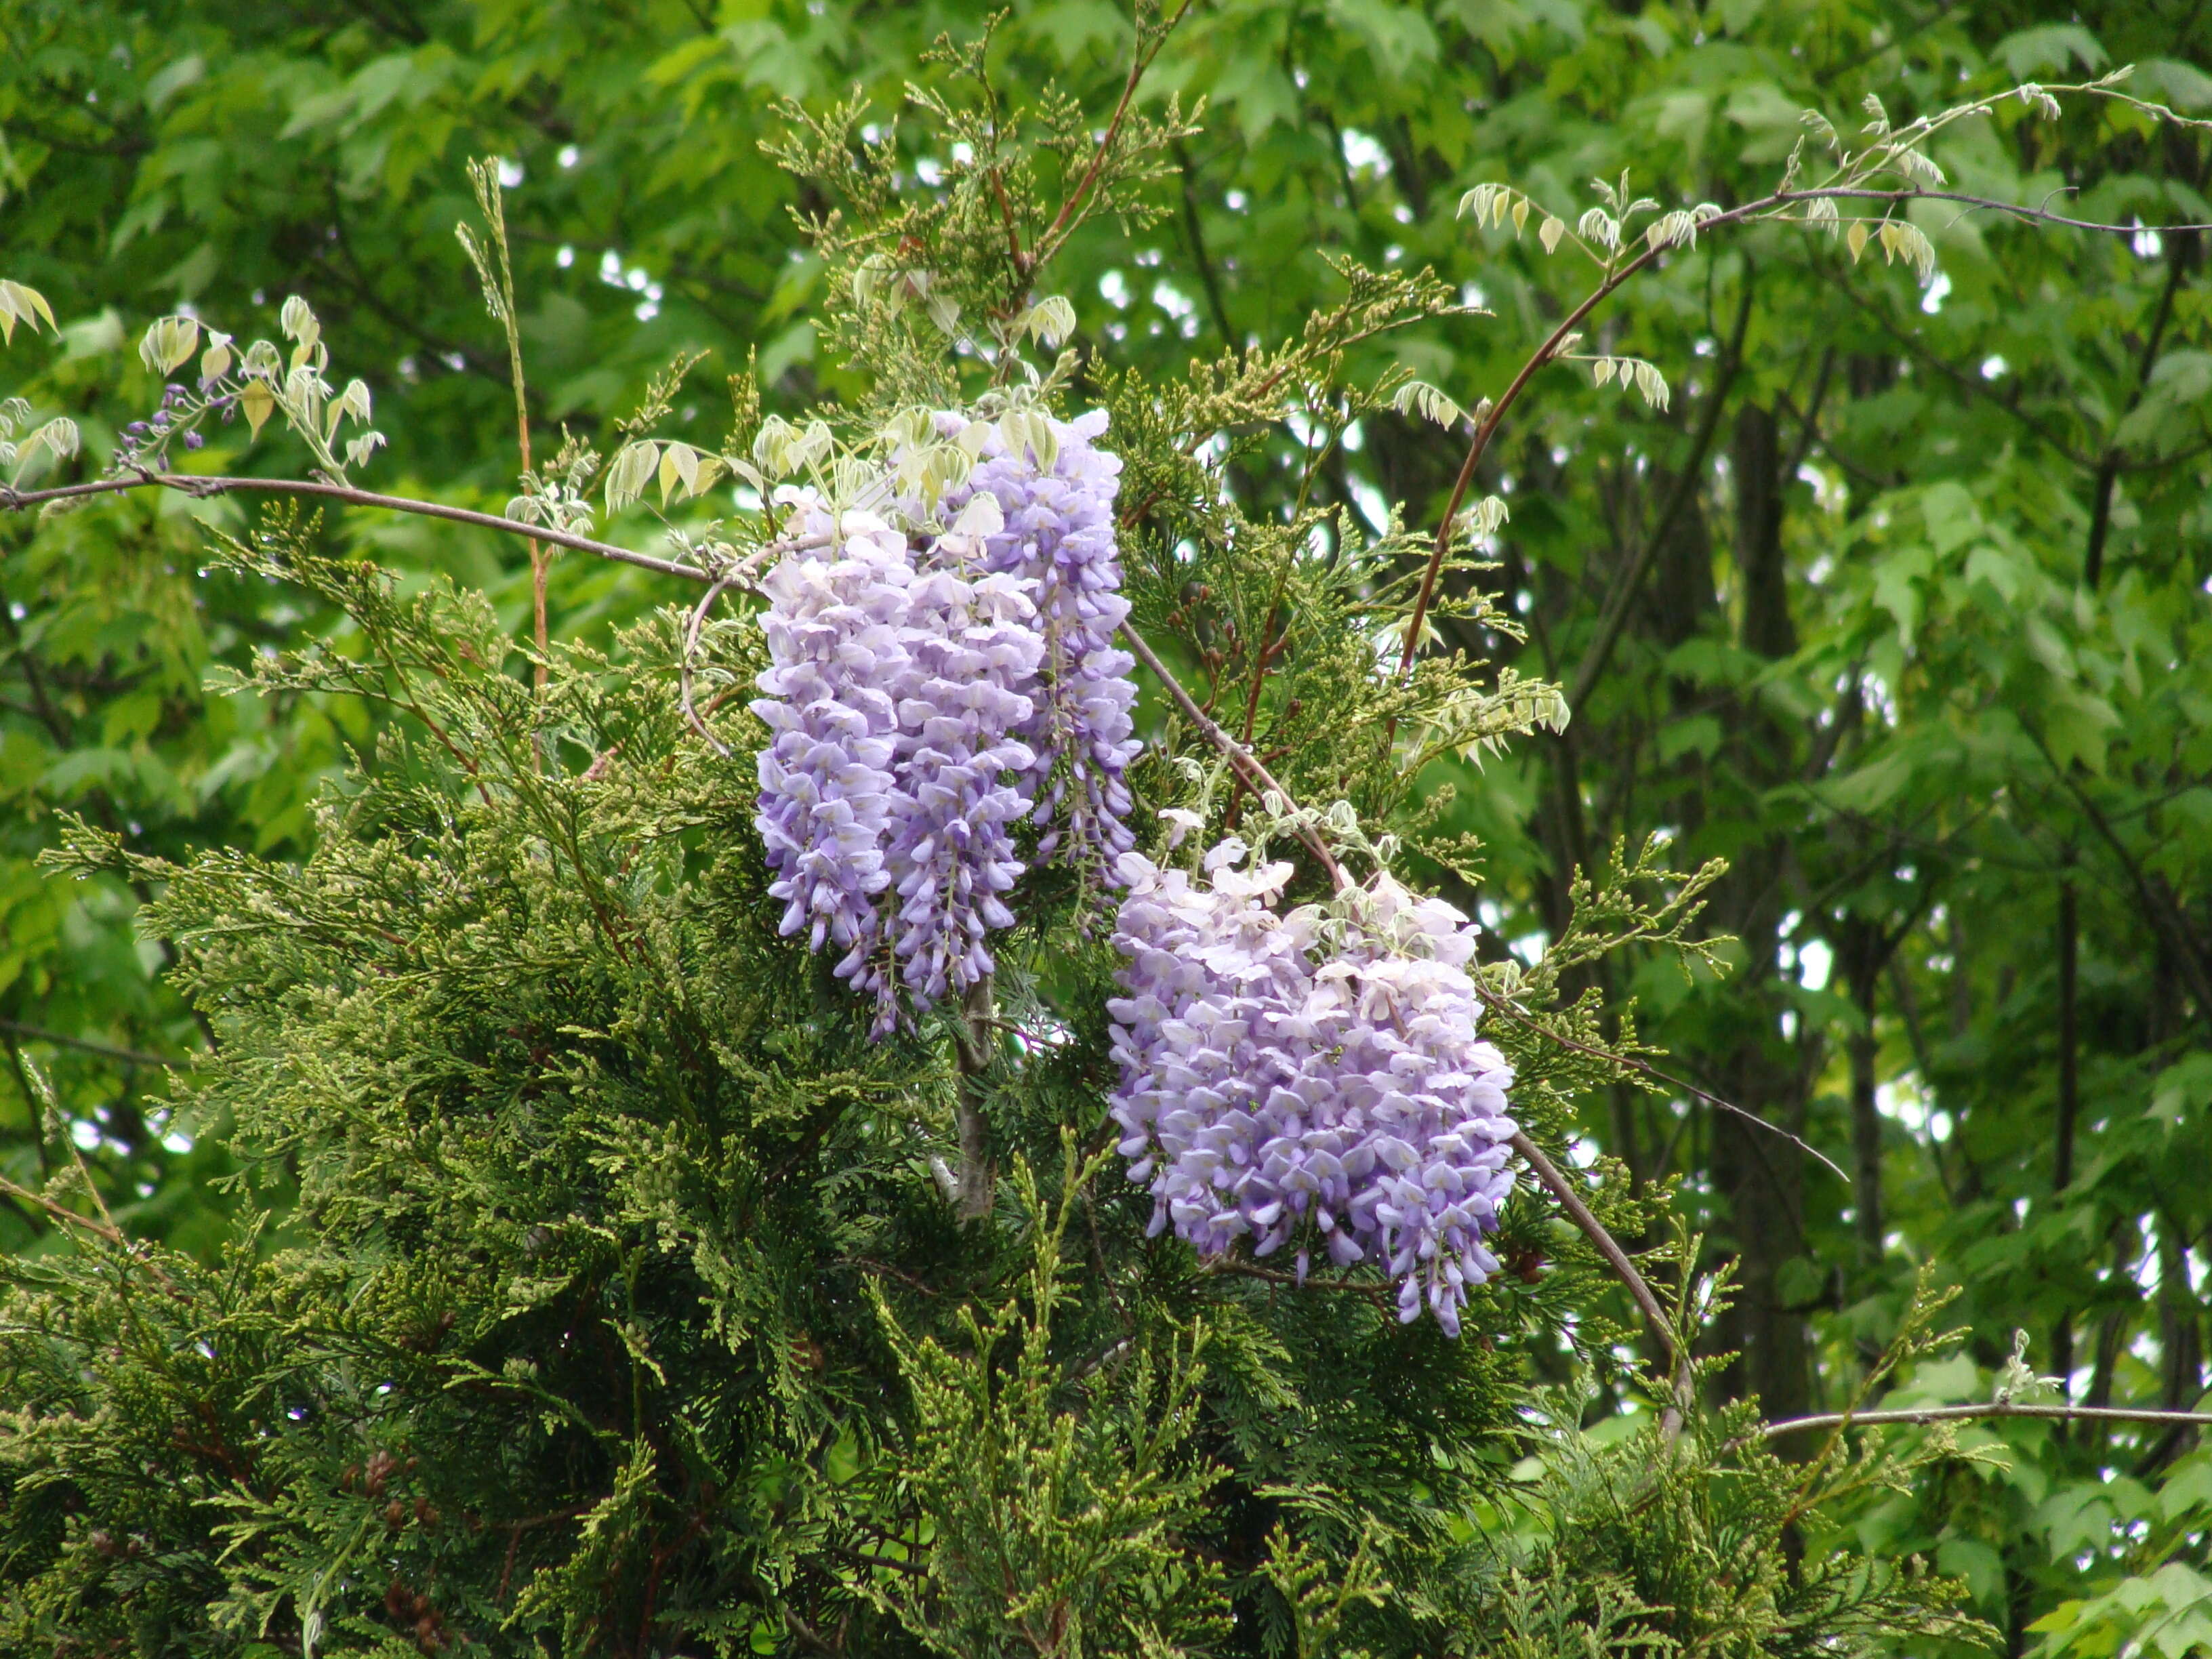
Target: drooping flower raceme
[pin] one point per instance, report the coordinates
(1213, 973)
(1057, 535)
(1393, 1019)
(893, 776)
(923, 703)
(1299, 1079)
(838, 659)
(968, 644)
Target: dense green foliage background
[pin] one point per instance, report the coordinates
(1901, 607)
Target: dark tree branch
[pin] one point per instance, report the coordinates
(1262, 781)
(1207, 279)
(1684, 490)
(2108, 468)
(2166, 919)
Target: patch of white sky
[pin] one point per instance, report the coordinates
(1811, 961)
(1364, 152)
(615, 274)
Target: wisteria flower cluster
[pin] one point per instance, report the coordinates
(1311, 1078)
(972, 647)
(890, 783)
(1056, 513)
(838, 657)
(925, 695)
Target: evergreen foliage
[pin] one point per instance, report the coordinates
(620, 1303)
(595, 1270)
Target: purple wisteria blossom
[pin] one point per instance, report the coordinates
(1295, 1079)
(1394, 1017)
(1058, 535)
(921, 707)
(1212, 970)
(893, 775)
(968, 644)
(838, 657)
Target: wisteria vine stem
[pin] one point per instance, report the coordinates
(1607, 1246)
(691, 630)
(1262, 782)
(974, 1186)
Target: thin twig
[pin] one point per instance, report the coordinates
(870, 1265)
(488, 189)
(104, 1050)
(105, 1230)
(2040, 215)
(813, 1639)
(1234, 752)
(514, 1529)
(1227, 1267)
(101, 1226)
(1925, 1414)
(1608, 1247)
(722, 583)
(1501, 1005)
(1483, 433)
(1614, 616)
(1065, 221)
(200, 486)
(863, 1558)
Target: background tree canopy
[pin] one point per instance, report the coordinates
(1900, 603)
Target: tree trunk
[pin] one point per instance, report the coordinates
(2069, 1099)
(1758, 1175)
(1864, 952)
